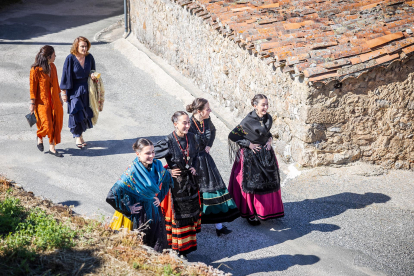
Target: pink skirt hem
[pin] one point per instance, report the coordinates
(267, 206)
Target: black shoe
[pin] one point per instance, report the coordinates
(39, 146)
(223, 231)
(253, 221)
(56, 153)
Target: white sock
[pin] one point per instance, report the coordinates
(219, 226)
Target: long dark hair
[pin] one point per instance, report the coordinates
(42, 58)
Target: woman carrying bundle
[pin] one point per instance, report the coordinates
(255, 180)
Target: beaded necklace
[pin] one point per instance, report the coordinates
(201, 123)
(185, 152)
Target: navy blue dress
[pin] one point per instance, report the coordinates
(75, 81)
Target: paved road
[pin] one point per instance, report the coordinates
(355, 220)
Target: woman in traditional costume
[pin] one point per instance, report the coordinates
(217, 204)
(182, 206)
(255, 180)
(74, 84)
(136, 196)
(45, 100)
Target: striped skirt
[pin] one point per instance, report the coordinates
(218, 207)
(181, 239)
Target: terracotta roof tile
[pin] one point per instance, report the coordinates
(408, 49)
(319, 38)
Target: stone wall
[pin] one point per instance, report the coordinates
(369, 118)
(315, 124)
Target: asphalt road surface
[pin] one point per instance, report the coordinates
(355, 220)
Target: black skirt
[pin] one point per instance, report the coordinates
(208, 176)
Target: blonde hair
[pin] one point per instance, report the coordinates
(75, 45)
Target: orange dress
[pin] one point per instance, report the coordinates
(48, 108)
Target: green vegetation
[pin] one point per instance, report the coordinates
(27, 232)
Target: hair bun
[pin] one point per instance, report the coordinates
(190, 108)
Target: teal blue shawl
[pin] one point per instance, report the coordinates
(140, 185)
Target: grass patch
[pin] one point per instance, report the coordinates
(38, 237)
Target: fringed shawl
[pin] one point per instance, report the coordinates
(140, 185)
(96, 96)
(252, 129)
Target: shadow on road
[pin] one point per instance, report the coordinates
(47, 20)
(108, 147)
(298, 222)
(300, 215)
(267, 264)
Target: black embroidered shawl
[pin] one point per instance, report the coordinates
(208, 177)
(260, 169)
(185, 198)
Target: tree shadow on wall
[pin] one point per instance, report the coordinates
(296, 224)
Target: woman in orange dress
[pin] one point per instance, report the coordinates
(45, 100)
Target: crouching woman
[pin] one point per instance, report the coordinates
(136, 196)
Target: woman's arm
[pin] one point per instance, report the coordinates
(93, 67)
(237, 136)
(34, 84)
(114, 199)
(66, 80)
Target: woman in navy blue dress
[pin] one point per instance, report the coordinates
(74, 84)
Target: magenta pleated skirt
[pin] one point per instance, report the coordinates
(267, 206)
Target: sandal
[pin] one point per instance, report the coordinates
(83, 142)
(39, 146)
(79, 146)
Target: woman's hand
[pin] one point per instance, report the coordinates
(254, 147)
(63, 96)
(95, 79)
(193, 171)
(156, 202)
(207, 149)
(135, 208)
(269, 143)
(175, 172)
(31, 107)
